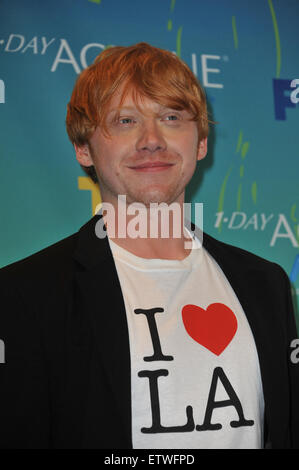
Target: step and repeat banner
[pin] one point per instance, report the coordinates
(246, 55)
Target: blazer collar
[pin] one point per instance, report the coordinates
(91, 250)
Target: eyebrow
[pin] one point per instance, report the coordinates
(129, 108)
(135, 108)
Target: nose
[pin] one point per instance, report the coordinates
(151, 138)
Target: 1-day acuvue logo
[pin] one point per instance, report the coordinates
(206, 65)
(279, 224)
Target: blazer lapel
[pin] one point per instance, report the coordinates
(101, 298)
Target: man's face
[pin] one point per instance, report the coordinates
(150, 155)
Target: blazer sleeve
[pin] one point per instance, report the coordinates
(24, 402)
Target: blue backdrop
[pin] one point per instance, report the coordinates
(246, 55)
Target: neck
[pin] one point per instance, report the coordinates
(156, 231)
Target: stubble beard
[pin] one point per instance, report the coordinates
(153, 195)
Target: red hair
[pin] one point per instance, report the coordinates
(146, 71)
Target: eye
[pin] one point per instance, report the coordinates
(125, 120)
(171, 117)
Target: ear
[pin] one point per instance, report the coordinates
(202, 149)
(83, 154)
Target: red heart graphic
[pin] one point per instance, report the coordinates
(213, 328)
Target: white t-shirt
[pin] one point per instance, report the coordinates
(195, 375)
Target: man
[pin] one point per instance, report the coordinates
(118, 341)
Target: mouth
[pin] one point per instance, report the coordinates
(151, 166)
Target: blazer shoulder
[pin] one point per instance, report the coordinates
(56, 257)
(241, 256)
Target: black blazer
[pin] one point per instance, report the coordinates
(66, 378)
